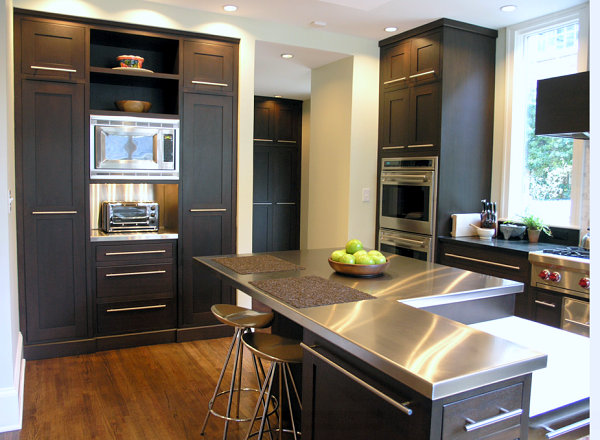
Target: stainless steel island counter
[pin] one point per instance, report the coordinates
(433, 355)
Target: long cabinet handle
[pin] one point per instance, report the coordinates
(129, 309)
(505, 415)
(583, 324)
(545, 304)
(477, 260)
(207, 83)
(553, 433)
(160, 251)
(393, 148)
(263, 140)
(401, 406)
(53, 212)
(262, 203)
(208, 210)
(55, 69)
(129, 274)
(421, 74)
(420, 146)
(286, 142)
(391, 81)
(286, 203)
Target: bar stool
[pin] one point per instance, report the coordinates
(281, 352)
(242, 319)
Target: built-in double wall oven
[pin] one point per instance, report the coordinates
(407, 211)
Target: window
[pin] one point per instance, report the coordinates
(543, 175)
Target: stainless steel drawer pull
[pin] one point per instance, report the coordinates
(53, 212)
(422, 73)
(207, 83)
(263, 140)
(493, 263)
(420, 146)
(401, 406)
(262, 203)
(505, 415)
(584, 324)
(208, 210)
(54, 69)
(129, 274)
(286, 203)
(393, 148)
(544, 303)
(160, 251)
(553, 433)
(391, 81)
(129, 309)
(286, 142)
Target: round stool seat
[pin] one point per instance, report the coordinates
(273, 347)
(236, 316)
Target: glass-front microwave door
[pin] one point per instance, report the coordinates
(126, 148)
(406, 207)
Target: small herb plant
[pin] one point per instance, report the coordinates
(534, 223)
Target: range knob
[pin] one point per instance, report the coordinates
(545, 274)
(555, 277)
(584, 282)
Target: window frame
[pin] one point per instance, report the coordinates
(508, 133)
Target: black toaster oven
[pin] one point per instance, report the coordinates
(129, 216)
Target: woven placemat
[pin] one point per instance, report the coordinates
(310, 291)
(257, 264)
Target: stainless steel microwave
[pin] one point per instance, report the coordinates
(129, 147)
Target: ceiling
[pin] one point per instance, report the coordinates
(361, 18)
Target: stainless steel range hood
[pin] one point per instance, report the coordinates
(563, 106)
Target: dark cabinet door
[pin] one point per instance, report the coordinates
(277, 120)
(208, 66)
(207, 203)
(288, 122)
(547, 307)
(53, 231)
(424, 117)
(425, 58)
(395, 65)
(264, 121)
(52, 50)
(395, 126)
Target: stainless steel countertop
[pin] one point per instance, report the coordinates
(435, 356)
(98, 235)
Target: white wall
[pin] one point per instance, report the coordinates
(11, 364)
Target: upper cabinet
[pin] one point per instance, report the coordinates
(277, 120)
(208, 66)
(52, 50)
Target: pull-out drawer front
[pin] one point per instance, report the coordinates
(145, 280)
(494, 262)
(490, 415)
(134, 252)
(129, 317)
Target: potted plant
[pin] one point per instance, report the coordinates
(535, 225)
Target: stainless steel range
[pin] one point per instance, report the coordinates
(567, 271)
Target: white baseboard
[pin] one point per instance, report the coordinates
(11, 398)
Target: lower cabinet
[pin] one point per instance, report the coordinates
(547, 307)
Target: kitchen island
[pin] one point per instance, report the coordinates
(393, 369)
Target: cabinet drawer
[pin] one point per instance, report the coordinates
(495, 262)
(134, 252)
(484, 415)
(157, 280)
(136, 316)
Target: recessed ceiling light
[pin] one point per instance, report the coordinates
(277, 96)
(287, 56)
(318, 23)
(391, 29)
(230, 8)
(508, 8)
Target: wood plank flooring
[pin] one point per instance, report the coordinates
(152, 392)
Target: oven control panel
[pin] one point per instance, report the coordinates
(561, 279)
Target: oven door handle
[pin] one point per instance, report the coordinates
(406, 179)
(583, 324)
(392, 241)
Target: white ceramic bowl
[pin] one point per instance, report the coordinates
(484, 233)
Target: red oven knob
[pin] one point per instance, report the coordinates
(584, 282)
(545, 274)
(555, 277)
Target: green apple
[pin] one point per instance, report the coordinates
(365, 259)
(359, 253)
(348, 259)
(337, 255)
(353, 246)
(378, 257)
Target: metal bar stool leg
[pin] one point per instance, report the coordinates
(289, 400)
(268, 382)
(232, 386)
(258, 379)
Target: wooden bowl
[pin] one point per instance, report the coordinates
(133, 106)
(359, 270)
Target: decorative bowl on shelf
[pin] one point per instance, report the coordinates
(130, 61)
(129, 105)
(359, 270)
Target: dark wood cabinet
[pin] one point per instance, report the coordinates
(52, 50)
(50, 171)
(209, 66)
(395, 65)
(425, 57)
(547, 307)
(208, 167)
(277, 120)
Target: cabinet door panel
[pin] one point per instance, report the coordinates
(547, 307)
(425, 58)
(395, 65)
(261, 174)
(287, 124)
(283, 166)
(53, 210)
(264, 121)
(52, 50)
(208, 66)
(425, 120)
(395, 122)
(285, 230)
(261, 227)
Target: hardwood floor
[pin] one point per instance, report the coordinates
(152, 392)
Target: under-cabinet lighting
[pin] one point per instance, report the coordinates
(230, 8)
(508, 8)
